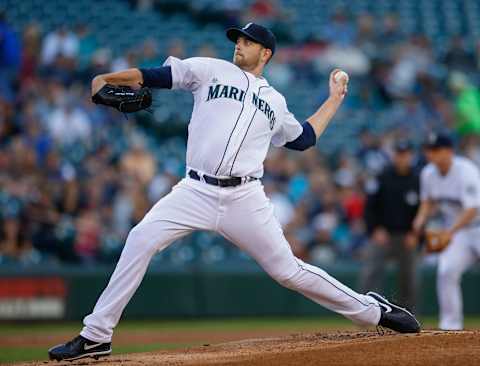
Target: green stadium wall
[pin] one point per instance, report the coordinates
(215, 291)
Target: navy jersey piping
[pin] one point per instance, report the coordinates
(235, 126)
(249, 124)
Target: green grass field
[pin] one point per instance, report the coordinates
(28, 352)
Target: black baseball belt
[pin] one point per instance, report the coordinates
(221, 182)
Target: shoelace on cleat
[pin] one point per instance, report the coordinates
(380, 330)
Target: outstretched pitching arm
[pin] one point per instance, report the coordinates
(320, 119)
(316, 123)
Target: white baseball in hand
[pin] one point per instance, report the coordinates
(341, 76)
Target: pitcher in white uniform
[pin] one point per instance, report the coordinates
(450, 188)
(236, 115)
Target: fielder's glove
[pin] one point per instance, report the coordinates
(123, 98)
(436, 240)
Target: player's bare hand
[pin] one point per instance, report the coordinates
(97, 83)
(338, 84)
(410, 240)
(417, 225)
(380, 236)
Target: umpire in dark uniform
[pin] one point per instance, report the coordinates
(391, 206)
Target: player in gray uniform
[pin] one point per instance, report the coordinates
(236, 115)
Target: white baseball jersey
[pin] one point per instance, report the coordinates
(454, 192)
(235, 117)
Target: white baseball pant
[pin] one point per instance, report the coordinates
(243, 215)
(462, 253)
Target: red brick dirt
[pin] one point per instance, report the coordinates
(329, 348)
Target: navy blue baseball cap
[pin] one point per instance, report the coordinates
(256, 33)
(438, 140)
(403, 146)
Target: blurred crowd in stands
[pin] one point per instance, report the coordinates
(74, 177)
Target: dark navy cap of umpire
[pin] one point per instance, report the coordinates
(403, 146)
(256, 33)
(438, 140)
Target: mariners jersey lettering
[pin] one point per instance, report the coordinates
(234, 93)
(235, 117)
(226, 92)
(458, 190)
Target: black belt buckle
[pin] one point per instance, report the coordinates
(226, 182)
(222, 182)
(230, 182)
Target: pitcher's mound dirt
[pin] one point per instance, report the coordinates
(332, 349)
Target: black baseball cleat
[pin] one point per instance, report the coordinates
(395, 317)
(79, 347)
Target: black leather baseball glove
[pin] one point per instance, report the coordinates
(123, 98)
